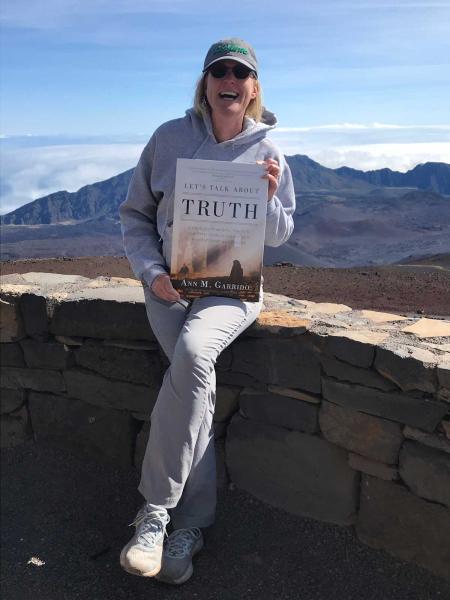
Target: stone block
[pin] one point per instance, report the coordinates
(408, 367)
(300, 473)
(372, 467)
(102, 432)
(227, 402)
(426, 471)
(141, 445)
(11, 324)
(101, 319)
(69, 341)
(280, 323)
(220, 429)
(135, 366)
(222, 477)
(41, 380)
(364, 434)
(292, 393)
(443, 375)
(11, 400)
(287, 362)
(279, 410)
(354, 347)
(403, 408)
(15, 428)
(411, 528)
(240, 379)
(347, 372)
(106, 393)
(437, 440)
(11, 355)
(34, 314)
(46, 355)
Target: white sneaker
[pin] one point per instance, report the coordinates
(142, 555)
(180, 548)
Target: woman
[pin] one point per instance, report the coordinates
(229, 123)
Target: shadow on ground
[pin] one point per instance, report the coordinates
(71, 513)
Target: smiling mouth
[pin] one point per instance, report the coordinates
(229, 95)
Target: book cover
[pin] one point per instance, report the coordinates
(218, 229)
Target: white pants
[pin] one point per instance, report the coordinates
(179, 468)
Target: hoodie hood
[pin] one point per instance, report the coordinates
(253, 131)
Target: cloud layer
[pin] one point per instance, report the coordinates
(33, 167)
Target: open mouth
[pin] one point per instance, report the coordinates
(229, 95)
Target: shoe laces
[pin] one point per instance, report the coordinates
(180, 542)
(150, 525)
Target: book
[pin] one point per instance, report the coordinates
(218, 229)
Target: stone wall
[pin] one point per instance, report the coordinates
(326, 412)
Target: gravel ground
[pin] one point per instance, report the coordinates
(71, 513)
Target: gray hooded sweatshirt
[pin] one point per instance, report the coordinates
(147, 213)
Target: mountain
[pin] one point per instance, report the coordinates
(99, 199)
(433, 176)
(340, 219)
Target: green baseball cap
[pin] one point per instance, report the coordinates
(232, 49)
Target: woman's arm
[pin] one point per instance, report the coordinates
(138, 221)
(281, 206)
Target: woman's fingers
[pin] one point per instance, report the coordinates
(272, 175)
(163, 288)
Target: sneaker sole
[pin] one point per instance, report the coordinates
(129, 569)
(189, 571)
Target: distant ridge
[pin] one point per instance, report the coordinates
(433, 176)
(102, 199)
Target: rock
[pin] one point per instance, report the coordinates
(11, 355)
(426, 471)
(381, 317)
(103, 392)
(11, 324)
(102, 432)
(370, 436)
(443, 374)
(46, 355)
(372, 467)
(354, 347)
(69, 341)
(34, 314)
(41, 380)
(240, 379)
(279, 323)
(409, 410)
(227, 402)
(346, 372)
(132, 344)
(11, 400)
(422, 534)
(425, 328)
(220, 429)
(409, 367)
(15, 428)
(300, 473)
(141, 445)
(135, 366)
(297, 394)
(222, 478)
(433, 440)
(101, 319)
(279, 410)
(290, 362)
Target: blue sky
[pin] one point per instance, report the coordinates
(85, 82)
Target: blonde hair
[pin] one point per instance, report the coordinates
(254, 109)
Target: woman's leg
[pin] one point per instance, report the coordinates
(178, 471)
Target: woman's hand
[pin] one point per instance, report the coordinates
(272, 175)
(163, 288)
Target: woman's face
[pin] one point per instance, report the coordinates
(229, 96)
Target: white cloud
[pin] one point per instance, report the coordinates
(35, 166)
(30, 173)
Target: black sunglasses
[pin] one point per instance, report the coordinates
(219, 70)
